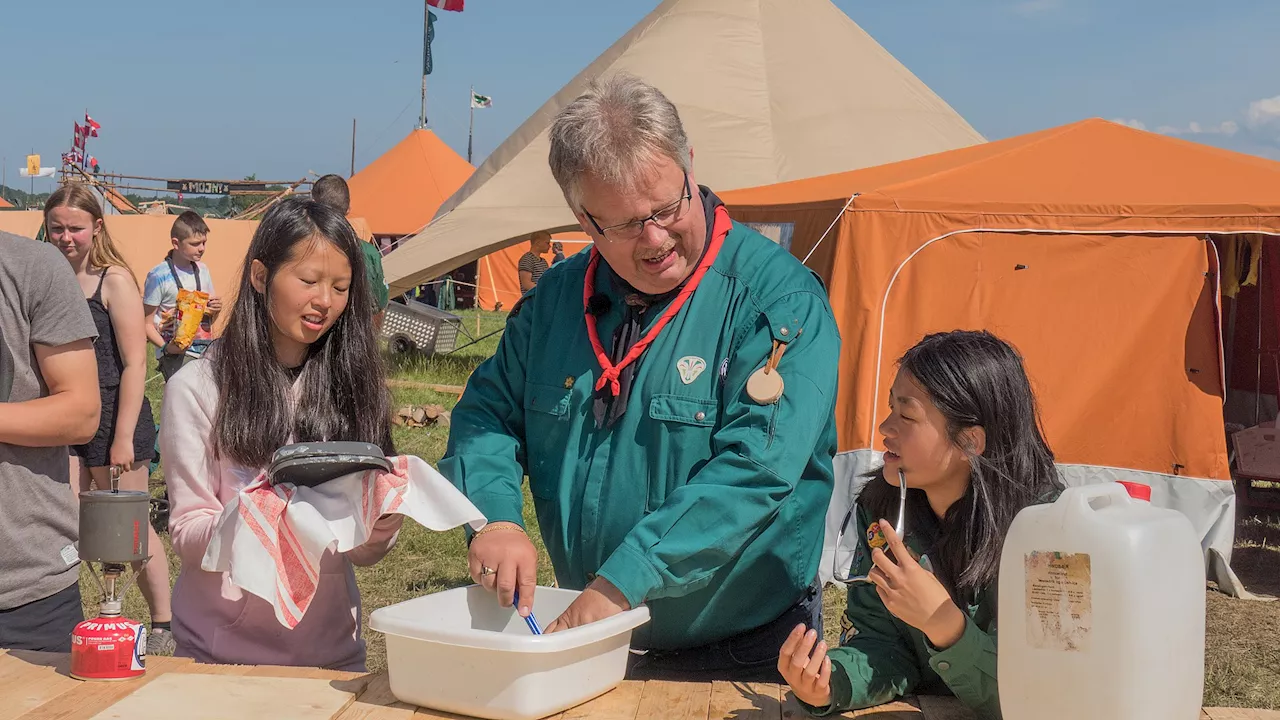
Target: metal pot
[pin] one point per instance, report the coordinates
(113, 526)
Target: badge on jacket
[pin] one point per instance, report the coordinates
(690, 367)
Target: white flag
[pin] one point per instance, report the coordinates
(480, 101)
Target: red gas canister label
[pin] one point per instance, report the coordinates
(108, 649)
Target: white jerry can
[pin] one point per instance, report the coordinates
(1101, 610)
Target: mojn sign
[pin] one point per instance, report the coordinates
(214, 187)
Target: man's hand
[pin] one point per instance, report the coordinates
(502, 560)
(599, 601)
(805, 668)
(913, 594)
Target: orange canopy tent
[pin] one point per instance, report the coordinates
(1088, 247)
(498, 274)
(399, 193)
(5, 203)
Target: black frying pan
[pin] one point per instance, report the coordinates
(310, 464)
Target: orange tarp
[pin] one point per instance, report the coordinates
(399, 193)
(21, 222)
(1083, 245)
(143, 240)
(5, 203)
(498, 276)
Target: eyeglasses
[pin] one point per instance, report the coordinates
(844, 560)
(663, 218)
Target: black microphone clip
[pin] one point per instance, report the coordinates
(599, 304)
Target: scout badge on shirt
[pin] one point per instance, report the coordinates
(690, 368)
(876, 539)
(847, 629)
(765, 385)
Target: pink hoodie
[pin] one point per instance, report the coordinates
(213, 620)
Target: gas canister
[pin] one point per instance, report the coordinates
(108, 648)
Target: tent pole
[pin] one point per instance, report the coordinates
(1257, 398)
(1229, 341)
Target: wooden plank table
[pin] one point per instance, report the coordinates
(37, 686)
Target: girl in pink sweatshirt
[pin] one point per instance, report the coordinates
(297, 362)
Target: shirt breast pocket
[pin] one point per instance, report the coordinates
(546, 430)
(679, 442)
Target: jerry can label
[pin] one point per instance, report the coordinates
(1059, 601)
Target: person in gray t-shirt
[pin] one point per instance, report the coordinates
(48, 400)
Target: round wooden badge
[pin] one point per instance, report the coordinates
(765, 386)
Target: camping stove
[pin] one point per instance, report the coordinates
(113, 533)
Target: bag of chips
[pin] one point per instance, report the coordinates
(191, 308)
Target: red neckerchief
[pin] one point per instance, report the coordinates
(611, 372)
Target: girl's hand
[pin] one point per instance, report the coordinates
(121, 454)
(214, 305)
(805, 668)
(913, 594)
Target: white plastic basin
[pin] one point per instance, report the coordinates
(460, 652)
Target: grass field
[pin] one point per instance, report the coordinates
(1242, 667)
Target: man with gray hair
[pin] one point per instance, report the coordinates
(639, 386)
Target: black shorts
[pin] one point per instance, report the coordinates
(97, 452)
(43, 625)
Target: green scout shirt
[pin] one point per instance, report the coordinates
(699, 502)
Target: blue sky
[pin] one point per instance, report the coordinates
(225, 89)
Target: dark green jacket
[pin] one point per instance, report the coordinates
(699, 502)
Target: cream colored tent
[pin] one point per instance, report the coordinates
(769, 91)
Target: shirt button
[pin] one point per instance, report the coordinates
(783, 332)
(700, 416)
(944, 666)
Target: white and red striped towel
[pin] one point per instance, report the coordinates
(270, 539)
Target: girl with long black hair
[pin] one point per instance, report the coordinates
(964, 436)
(297, 362)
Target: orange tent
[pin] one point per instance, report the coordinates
(1086, 246)
(399, 193)
(498, 275)
(5, 203)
